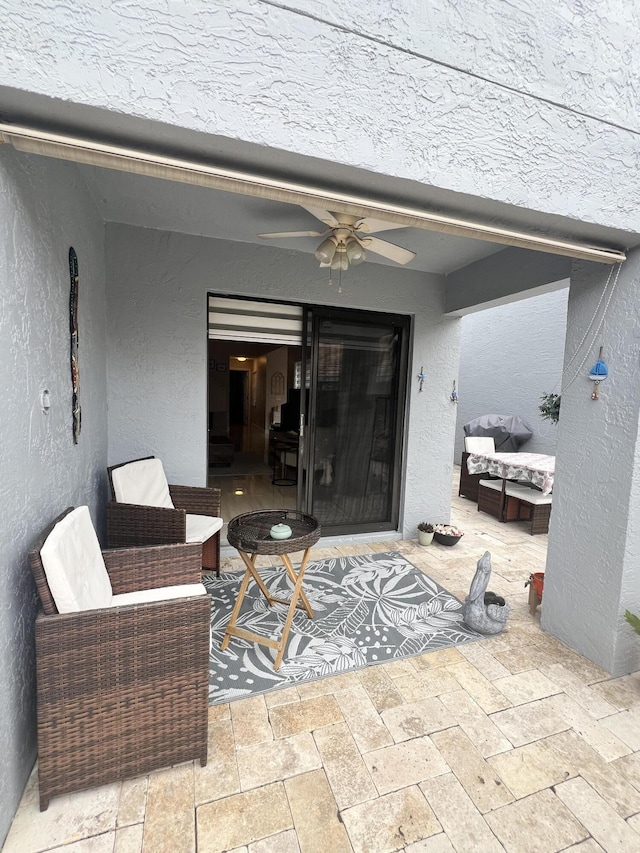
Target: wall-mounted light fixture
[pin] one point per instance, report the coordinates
(598, 374)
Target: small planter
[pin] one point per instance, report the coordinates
(447, 534)
(424, 537)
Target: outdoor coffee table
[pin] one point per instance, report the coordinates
(250, 534)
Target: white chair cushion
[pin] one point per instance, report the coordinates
(74, 566)
(479, 444)
(143, 483)
(516, 490)
(202, 527)
(161, 593)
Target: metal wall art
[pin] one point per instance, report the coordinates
(73, 329)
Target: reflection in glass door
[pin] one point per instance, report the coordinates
(359, 364)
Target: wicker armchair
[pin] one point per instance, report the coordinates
(136, 523)
(122, 690)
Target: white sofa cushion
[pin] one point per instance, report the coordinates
(74, 566)
(202, 527)
(479, 444)
(161, 593)
(142, 482)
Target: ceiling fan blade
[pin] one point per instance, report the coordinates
(323, 215)
(388, 250)
(369, 226)
(279, 234)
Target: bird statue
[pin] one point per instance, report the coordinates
(484, 611)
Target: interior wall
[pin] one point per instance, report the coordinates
(510, 355)
(157, 286)
(44, 209)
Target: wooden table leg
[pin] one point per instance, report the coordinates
(297, 593)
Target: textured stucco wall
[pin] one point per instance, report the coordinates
(510, 356)
(157, 287)
(594, 538)
(43, 210)
(503, 101)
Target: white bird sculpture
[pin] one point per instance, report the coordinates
(484, 611)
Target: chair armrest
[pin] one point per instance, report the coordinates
(196, 500)
(130, 525)
(132, 569)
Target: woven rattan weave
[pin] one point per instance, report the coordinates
(122, 690)
(131, 525)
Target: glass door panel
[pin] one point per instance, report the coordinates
(356, 419)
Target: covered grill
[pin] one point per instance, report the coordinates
(509, 432)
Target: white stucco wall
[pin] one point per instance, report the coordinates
(510, 355)
(43, 210)
(517, 102)
(157, 286)
(594, 536)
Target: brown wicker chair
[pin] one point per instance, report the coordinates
(121, 690)
(136, 525)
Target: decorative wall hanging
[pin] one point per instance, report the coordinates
(454, 393)
(421, 378)
(277, 383)
(598, 374)
(73, 329)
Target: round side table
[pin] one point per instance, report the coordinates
(250, 534)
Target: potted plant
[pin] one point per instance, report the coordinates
(425, 533)
(550, 407)
(447, 534)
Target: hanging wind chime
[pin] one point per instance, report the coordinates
(598, 374)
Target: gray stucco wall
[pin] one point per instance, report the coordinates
(43, 211)
(157, 286)
(594, 537)
(510, 355)
(504, 101)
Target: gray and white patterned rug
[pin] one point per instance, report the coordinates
(368, 610)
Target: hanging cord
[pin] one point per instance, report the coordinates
(597, 330)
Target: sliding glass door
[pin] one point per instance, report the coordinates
(353, 444)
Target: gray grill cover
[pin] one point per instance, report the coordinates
(508, 431)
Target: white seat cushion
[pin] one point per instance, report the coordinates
(73, 563)
(161, 593)
(479, 444)
(516, 490)
(202, 527)
(143, 483)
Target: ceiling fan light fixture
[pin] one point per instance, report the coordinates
(340, 261)
(326, 250)
(355, 253)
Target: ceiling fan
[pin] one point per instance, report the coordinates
(346, 240)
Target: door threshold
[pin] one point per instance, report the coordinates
(227, 550)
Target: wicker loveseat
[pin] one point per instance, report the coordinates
(122, 688)
(146, 510)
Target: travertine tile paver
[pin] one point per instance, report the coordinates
(415, 719)
(380, 687)
(585, 696)
(479, 688)
(97, 844)
(532, 768)
(367, 728)
(169, 816)
(133, 801)
(623, 693)
(304, 716)
(315, 814)
(530, 722)
(276, 760)
(242, 819)
(436, 844)
(129, 839)
(520, 829)
(460, 819)
(404, 764)
(391, 822)
(250, 720)
(602, 822)
(478, 726)
(69, 818)
(477, 776)
(327, 686)
(625, 725)
(345, 769)
(526, 687)
(220, 776)
(284, 842)
(426, 683)
(603, 776)
(484, 661)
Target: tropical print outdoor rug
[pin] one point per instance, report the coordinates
(368, 610)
